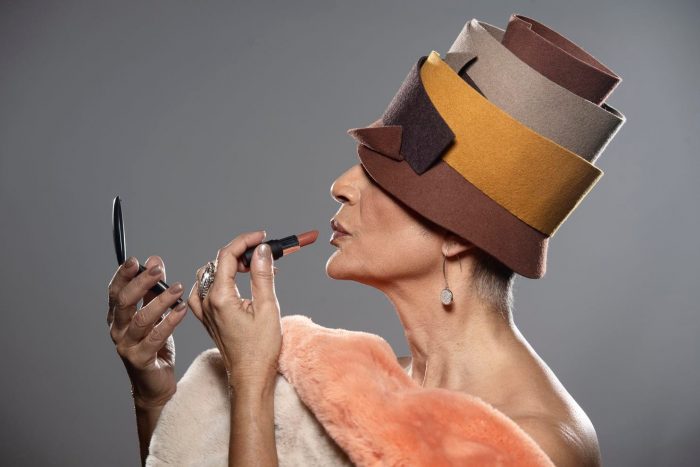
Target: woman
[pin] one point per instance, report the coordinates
(438, 235)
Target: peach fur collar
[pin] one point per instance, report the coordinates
(368, 404)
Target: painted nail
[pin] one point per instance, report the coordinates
(264, 251)
(181, 307)
(156, 270)
(176, 287)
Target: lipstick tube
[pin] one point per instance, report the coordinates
(283, 246)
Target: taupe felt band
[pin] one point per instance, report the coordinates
(559, 59)
(539, 103)
(442, 117)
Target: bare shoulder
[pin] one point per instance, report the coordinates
(540, 404)
(568, 441)
(552, 418)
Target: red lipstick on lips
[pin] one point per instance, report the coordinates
(283, 246)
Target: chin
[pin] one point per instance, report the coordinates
(337, 267)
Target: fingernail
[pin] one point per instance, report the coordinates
(156, 270)
(181, 307)
(176, 287)
(129, 262)
(264, 251)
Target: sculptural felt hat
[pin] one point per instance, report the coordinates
(497, 141)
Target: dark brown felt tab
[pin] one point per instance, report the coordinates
(383, 139)
(425, 135)
(559, 59)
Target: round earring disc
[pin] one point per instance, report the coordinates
(446, 296)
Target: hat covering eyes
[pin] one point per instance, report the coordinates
(496, 142)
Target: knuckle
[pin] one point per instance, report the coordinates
(263, 273)
(170, 321)
(141, 319)
(217, 299)
(123, 352)
(120, 298)
(155, 335)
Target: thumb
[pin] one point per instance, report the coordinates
(262, 276)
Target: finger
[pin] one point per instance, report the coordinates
(130, 295)
(150, 262)
(262, 277)
(227, 261)
(198, 305)
(156, 338)
(194, 302)
(124, 273)
(145, 318)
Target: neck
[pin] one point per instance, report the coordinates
(453, 347)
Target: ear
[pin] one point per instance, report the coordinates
(453, 245)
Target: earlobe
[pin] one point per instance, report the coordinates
(455, 246)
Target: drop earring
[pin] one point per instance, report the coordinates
(446, 294)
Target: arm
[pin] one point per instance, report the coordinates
(248, 334)
(146, 419)
(252, 428)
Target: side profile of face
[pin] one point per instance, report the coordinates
(387, 241)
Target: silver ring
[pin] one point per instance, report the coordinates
(207, 279)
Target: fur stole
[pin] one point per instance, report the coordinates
(341, 398)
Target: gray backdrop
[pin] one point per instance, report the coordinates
(214, 118)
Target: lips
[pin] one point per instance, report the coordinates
(338, 232)
(338, 227)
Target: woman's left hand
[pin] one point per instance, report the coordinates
(246, 331)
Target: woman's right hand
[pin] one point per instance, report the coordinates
(145, 344)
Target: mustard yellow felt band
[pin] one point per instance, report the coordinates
(534, 178)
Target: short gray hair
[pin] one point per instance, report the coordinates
(493, 282)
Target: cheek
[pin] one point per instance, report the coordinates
(390, 242)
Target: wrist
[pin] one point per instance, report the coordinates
(257, 390)
(148, 403)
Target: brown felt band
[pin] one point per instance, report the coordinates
(443, 196)
(533, 99)
(559, 59)
(531, 176)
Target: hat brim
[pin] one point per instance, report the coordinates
(446, 198)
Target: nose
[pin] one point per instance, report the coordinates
(345, 188)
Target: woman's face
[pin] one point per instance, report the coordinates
(387, 241)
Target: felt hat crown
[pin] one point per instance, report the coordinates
(496, 142)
